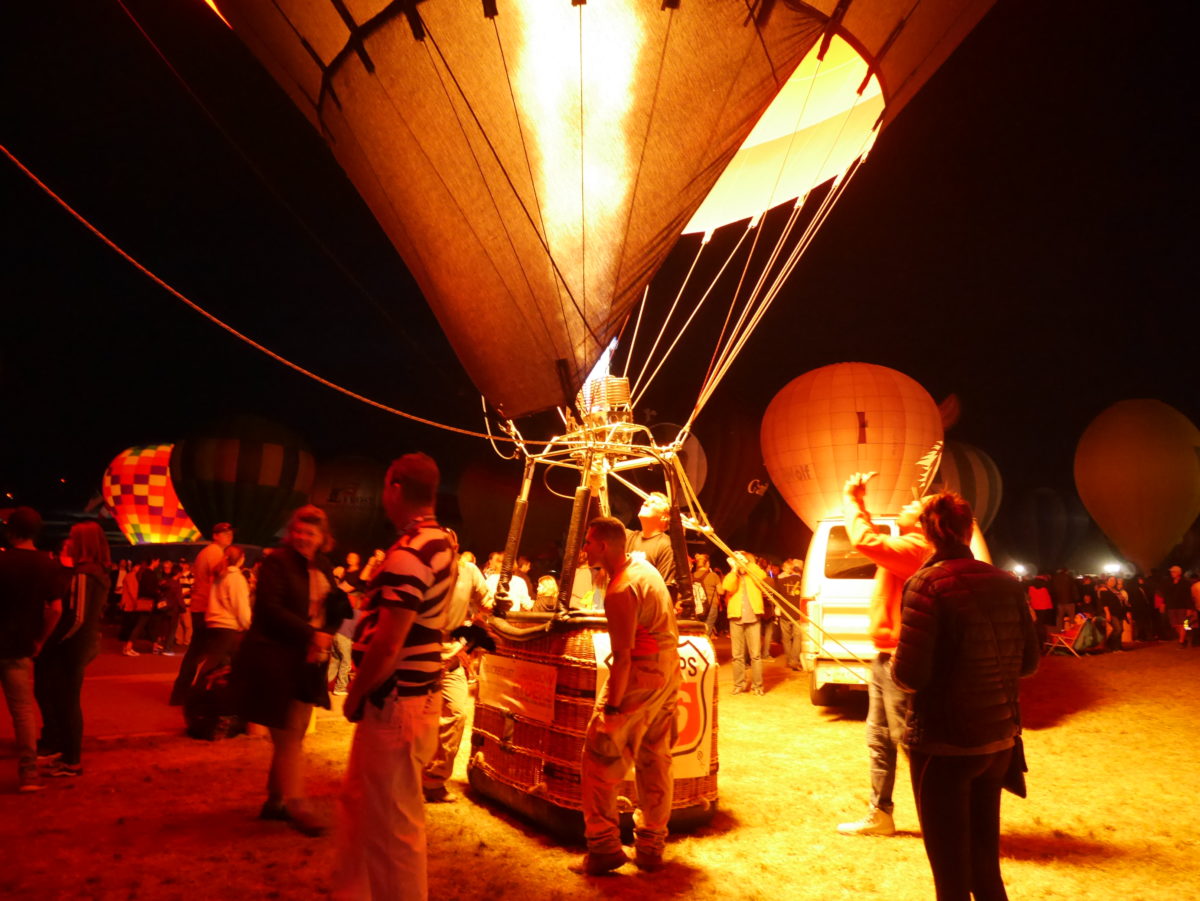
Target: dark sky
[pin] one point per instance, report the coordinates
(1018, 237)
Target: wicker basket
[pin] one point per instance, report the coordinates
(542, 759)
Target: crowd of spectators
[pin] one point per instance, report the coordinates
(1124, 610)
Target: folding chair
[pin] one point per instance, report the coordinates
(1056, 640)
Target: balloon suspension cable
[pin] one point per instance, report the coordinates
(79, 217)
(637, 388)
(259, 174)
(637, 324)
(734, 347)
(759, 301)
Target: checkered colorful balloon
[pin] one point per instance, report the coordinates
(137, 488)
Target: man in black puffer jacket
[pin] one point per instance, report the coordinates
(966, 637)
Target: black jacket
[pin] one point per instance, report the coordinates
(966, 637)
(270, 670)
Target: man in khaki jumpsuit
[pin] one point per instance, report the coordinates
(634, 722)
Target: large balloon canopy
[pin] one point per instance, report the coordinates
(137, 487)
(534, 161)
(835, 421)
(1137, 470)
(245, 471)
(968, 471)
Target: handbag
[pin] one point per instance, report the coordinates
(1014, 776)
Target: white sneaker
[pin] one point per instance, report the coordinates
(876, 822)
(130, 652)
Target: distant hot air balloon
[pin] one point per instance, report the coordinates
(968, 471)
(137, 487)
(350, 491)
(245, 471)
(736, 481)
(1137, 470)
(1043, 527)
(835, 421)
(534, 161)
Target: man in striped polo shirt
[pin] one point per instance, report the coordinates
(395, 696)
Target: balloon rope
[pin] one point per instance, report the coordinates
(213, 319)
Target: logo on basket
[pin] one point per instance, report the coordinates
(693, 716)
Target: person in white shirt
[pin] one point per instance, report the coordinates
(228, 614)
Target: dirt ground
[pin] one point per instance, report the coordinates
(1112, 810)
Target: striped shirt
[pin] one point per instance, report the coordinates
(418, 575)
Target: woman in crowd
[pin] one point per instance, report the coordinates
(228, 615)
(280, 669)
(74, 644)
(170, 593)
(966, 639)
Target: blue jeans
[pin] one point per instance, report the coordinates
(886, 716)
(746, 637)
(16, 678)
(791, 634)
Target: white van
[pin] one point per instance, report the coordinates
(835, 589)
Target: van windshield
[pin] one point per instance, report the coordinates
(842, 561)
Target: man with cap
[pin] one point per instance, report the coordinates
(395, 697)
(209, 563)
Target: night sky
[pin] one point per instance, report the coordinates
(1017, 238)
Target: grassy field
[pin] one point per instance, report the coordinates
(1112, 811)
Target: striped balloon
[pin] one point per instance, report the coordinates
(137, 488)
(246, 471)
(970, 472)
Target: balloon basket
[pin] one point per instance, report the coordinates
(536, 697)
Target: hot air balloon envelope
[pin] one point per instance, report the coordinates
(137, 487)
(1137, 470)
(835, 421)
(534, 161)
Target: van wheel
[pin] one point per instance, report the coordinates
(825, 696)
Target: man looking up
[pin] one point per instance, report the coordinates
(395, 697)
(897, 557)
(652, 541)
(634, 721)
(31, 586)
(209, 563)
